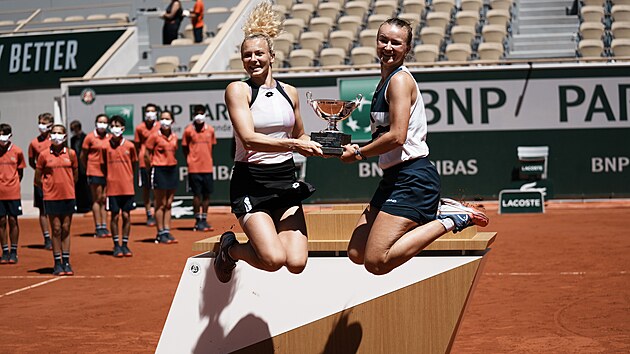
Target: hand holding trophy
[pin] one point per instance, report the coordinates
(332, 111)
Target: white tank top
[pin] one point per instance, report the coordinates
(415, 146)
(273, 116)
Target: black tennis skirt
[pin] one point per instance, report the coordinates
(266, 187)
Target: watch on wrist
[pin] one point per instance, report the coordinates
(358, 155)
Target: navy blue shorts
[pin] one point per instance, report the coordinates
(164, 177)
(200, 184)
(10, 207)
(60, 207)
(97, 180)
(38, 199)
(116, 203)
(410, 190)
(143, 180)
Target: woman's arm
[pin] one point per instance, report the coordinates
(174, 9)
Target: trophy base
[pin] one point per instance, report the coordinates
(332, 141)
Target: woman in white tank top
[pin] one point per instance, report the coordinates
(264, 191)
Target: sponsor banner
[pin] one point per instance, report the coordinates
(514, 201)
(39, 61)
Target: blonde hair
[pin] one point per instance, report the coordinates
(264, 23)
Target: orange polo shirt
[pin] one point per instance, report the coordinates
(199, 145)
(142, 133)
(197, 22)
(11, 161)
(56, 170)
(164, 149)
(36, 146)
(94, 144)
(119, 160)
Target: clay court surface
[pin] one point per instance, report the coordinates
(557, 282)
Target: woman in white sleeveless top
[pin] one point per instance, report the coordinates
(403, 217)
(264, 191)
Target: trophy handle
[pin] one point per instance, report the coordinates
(309, 96)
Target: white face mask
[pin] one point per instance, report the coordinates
(200, 118)
(101, 126)
(5, 139)
(117, 131)
(58, 138)
(166, 123)
(150, 116)
(44, 127)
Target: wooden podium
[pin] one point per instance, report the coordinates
(334, 306)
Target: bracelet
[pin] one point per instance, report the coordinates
(359, 155)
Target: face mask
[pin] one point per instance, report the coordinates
(101, 126)
(44, 127)
(166, 123)
(150, 116)
(117, 131)
(5, 139)
(199, 118)
(58, 138)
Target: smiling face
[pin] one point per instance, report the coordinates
(257, 57)
(392, 44)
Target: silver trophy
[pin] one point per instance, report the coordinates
(332, 111)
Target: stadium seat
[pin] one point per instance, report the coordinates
(367, 37)
(438, 19)
(193, 60)
(501, 4)
(592, 30)
(413, 6)
(166, 64)
(375, 21)
(120, 16)
(311, 2)
(74, 18)
(621, 2)
(183, 41)
(445, 6)
(498, 17)
(620, 12)
(7, 22)
(236, 62)
(217, 10)
(284, 42)
(350, 23)
(463, 34)
(286, 3)
(322, 25)
(52, 20)
(312, 41)
(620, 47)
(385, 7)
(302, 11)
(356, 8)
(363, 55)
(467, 18)
(413, 18)
(301, 58)
(329, 9)
(621, 29)
(490, 51)
(341, 39)
(431, 35)
(591, 48)
(593, 2)
(471, 5)
(426, 53)
(295, 26)
(96, 17)
(592, 13)
(458, 52)
(332, 57)
(188, 31)
(279, 59)
(493, 33)
(280, 10)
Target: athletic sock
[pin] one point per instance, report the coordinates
(57, 257)
(198, 217)
(65, 257)
(46, 235)
(167, 231)
(5, 248)
(14, 248)
(448, 224)
(204, 216)
(125, 240)
(115, 238)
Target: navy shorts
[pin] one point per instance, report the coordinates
(97, 180)
(143, 180)
(10, 207)
(60, 207)
(116, 203)
(38, 199)
(200, 184)
(164, 177)
(410, 190)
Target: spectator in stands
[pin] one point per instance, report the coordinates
(172, 19)
(56, 173)
(197, 145)
(82, 190)
(196, 18)
(119, 162)
(90, 158)
(265, 193)
(37, 145)
(402, 217)
(160, 158)
(142, 133)
(13, 164)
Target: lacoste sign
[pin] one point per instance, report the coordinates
(513, 201)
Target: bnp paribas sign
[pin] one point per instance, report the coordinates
(513, 201)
